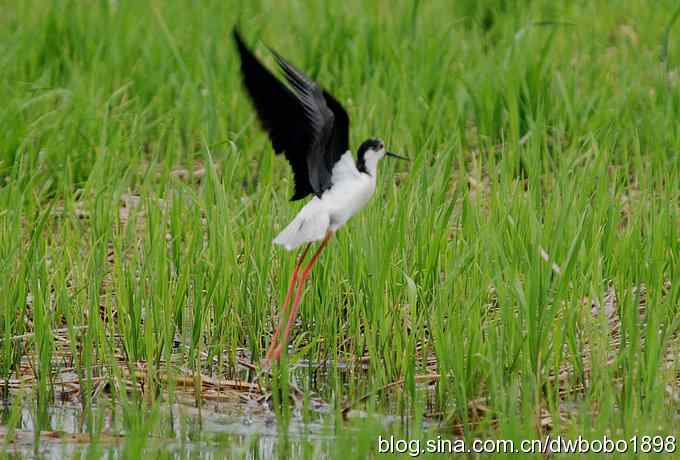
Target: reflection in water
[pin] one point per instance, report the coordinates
(245, 429)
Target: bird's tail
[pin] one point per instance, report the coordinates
(307, 226)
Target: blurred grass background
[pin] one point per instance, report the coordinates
(527, 259)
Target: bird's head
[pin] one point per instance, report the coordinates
(370, 151)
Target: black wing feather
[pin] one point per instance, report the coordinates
(307, 123)
(340, 138)
(319, 116)
(278, 111)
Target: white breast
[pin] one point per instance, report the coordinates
(350, 192)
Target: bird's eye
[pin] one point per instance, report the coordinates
(381, 146)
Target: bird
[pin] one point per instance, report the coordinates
(311, 128)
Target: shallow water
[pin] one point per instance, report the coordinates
(226, 429)
(247, 432)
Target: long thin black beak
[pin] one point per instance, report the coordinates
(394, 155)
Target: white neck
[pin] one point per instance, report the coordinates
(371, 162)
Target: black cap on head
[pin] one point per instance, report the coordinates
(373, 144)
(368, 144)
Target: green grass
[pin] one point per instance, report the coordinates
(538, 130)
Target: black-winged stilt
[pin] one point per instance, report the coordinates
(311, 128)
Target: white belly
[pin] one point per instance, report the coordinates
(350, 192)
(346, 198)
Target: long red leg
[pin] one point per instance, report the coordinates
(286, 302)
(298, 295)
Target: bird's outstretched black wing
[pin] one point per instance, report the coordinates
(307, 124)
(340, 139)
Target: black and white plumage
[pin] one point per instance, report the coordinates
(311, 128)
